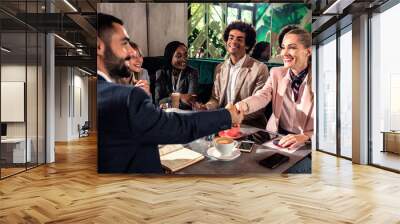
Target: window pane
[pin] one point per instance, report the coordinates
(247, 16)
(216, 47)
(247, 4)
(14, 153)
(346, 94)
(41, 98)
(197, 16)
(233, 14)
(385, 84)
(197, 30)
(327, 96)
(32, 97)
(216, 13)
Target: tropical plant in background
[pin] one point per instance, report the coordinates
(207, 22)
(206, 26)
(271, 18)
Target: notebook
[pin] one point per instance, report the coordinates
(177, 157)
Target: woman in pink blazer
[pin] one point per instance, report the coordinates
(290, 90)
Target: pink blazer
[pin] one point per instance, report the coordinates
(274, 90)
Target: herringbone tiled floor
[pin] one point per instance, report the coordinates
(71, 191)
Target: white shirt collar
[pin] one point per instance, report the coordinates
(102, 74)
(233, 74)
(239, 63)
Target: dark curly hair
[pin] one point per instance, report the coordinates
(248, 29)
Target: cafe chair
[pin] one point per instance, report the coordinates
(84, 130)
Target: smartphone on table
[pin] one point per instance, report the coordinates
(260, 137)
(274, 160)
(246, 146)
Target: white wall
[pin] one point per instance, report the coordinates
(80, 110)
(33, 126)
(15, 72)
(134, 17)
(71, 93)
(61, 103)
(169, 21)
(165, 22)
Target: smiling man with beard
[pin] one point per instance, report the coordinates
(130, 126)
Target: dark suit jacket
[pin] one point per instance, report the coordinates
(130, 127)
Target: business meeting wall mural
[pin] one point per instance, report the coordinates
(194, 108)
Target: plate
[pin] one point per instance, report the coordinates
(213, 152)
(225, 134)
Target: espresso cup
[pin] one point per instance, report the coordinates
(175, 97)
(225, 146)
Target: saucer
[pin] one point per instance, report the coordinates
(213, 152)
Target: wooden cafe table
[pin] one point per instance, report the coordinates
(246, 163)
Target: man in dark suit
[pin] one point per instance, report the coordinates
(130, 126)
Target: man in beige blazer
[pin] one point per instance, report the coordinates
(239, 76)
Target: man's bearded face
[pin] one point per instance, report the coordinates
(117, 67)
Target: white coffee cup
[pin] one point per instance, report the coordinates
(225, 146)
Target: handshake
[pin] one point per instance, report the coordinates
(237, 113)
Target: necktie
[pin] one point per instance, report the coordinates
(296, 82)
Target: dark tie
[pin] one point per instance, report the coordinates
(296, 82)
